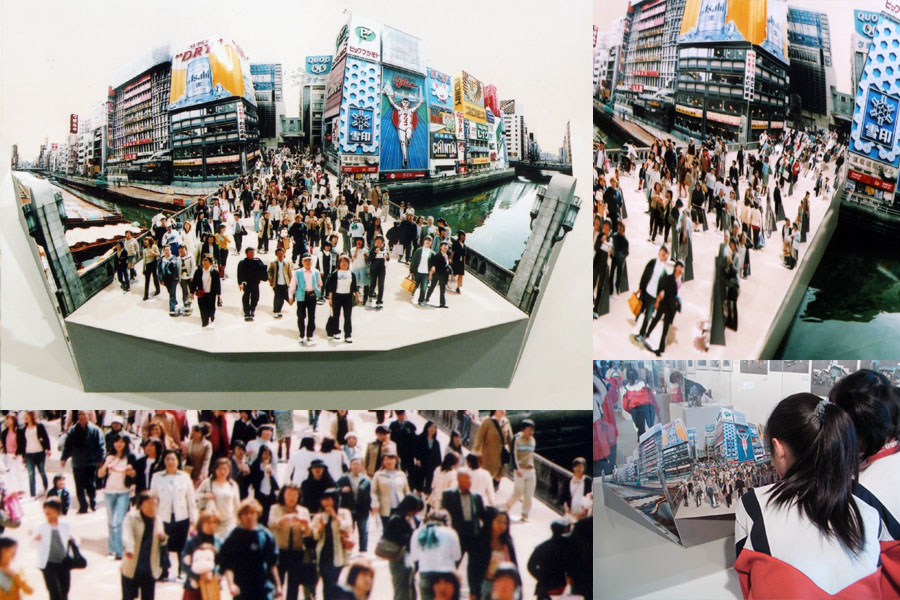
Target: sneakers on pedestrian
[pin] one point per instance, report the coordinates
(348, 340)
(379, 305)
(247, 318)
(310, 341)
(173, 313)
(212, 324)
(301, 340)
(278, 315)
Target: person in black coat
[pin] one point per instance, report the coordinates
(208, 293)
(648, 289)
(546, 564)
(496, 529)
(265, 464)
(440, 270)
(122, 267)
(143, 474)
(399, 530)
(84, 445)
(250, 272)
(407, 236)
(428, 457)
(313, 487)
(612, 197)
(403, 433)
(458, 254)
(356, 496)
(667, 304)
(243, 429)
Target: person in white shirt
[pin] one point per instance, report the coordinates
(177, 506)
(444, 478)
(482, 480)
(266, 433)
(298, 466)
(342, 292)
(54, 537)
(306, 289)
(434, 548)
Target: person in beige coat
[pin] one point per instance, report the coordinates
(389, 485)
(494, 434)
(141, 570)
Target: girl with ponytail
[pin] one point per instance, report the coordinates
(808, 535)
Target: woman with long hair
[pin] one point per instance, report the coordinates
(177, 507)
(221, 493)
(808, 534)
(493, 547)
(443, 478)
(198, 453)
(873, 404)
(335, 460)
(332, 528)
(12, 453)
(117, 469)
(427, 457)
(455, 445)
(264, 479)
(389, 484)
(34, 444)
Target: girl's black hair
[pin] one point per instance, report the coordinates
(308, 443)
(7, 542)
(166, 454)
(115, 437)
(874, 406)
(821, 480)
(450, 460)
(327, 445)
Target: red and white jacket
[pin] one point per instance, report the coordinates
(638, 394)
(879, 486)
(782, 554)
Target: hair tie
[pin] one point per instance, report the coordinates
(820, 410)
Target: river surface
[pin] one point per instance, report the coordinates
(497, 221)
(851, 308)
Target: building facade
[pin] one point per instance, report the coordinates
(514, 130)
(267, 85)
(731, 82)
(139, 112)
(312, 97)
(812, 71)
(860, 41)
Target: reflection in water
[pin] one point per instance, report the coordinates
(497, 222)
(852, 305)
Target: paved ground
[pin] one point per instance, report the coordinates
(400, 323)
(102, 575)
(760, 294)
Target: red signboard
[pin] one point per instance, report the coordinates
(359, 169)
(73, 123)
(880, 184)
(405, 175)
(646, 73)
(138, 142)
(636, 87)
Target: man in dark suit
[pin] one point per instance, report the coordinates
(654, 271)
(667, 304)
(356, 496)
(250, 272)
(612, 197)
(403, 433)
(466, 509)
(207, 287)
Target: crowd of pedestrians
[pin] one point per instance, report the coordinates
(236, 503)
(703, 191)
(325, 241)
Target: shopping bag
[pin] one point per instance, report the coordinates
(408, 284)
(635, 305)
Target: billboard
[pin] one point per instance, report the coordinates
(491, 100)
(744, 445)
(73, 123)
(334, 88)
(359, 38)
(873, 132)
(401, 50)
(210, 70)
(318, 65)
(439, 85)
(404, 121)
(468, 96)
(762, 23)
(442, 131)
(359, 112)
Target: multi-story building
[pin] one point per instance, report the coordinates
(212, 107)
(267, 84)
(644, 54)
(860, 42)
(14, 158)
(312, 97)
(566, 150)
(733, 78)
(140, 117)
(671, 29)
(514, 130)
(812, 72)
(609, 50)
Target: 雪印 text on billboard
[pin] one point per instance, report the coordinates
(404, 122)
(210, 70)
(360, 104)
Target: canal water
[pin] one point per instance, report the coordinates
(130, 212)
(851, 308)
(497, 221)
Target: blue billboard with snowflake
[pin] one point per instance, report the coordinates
(873, 133)
(404, 123)
(360, 125)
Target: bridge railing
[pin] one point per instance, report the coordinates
(549, 477)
